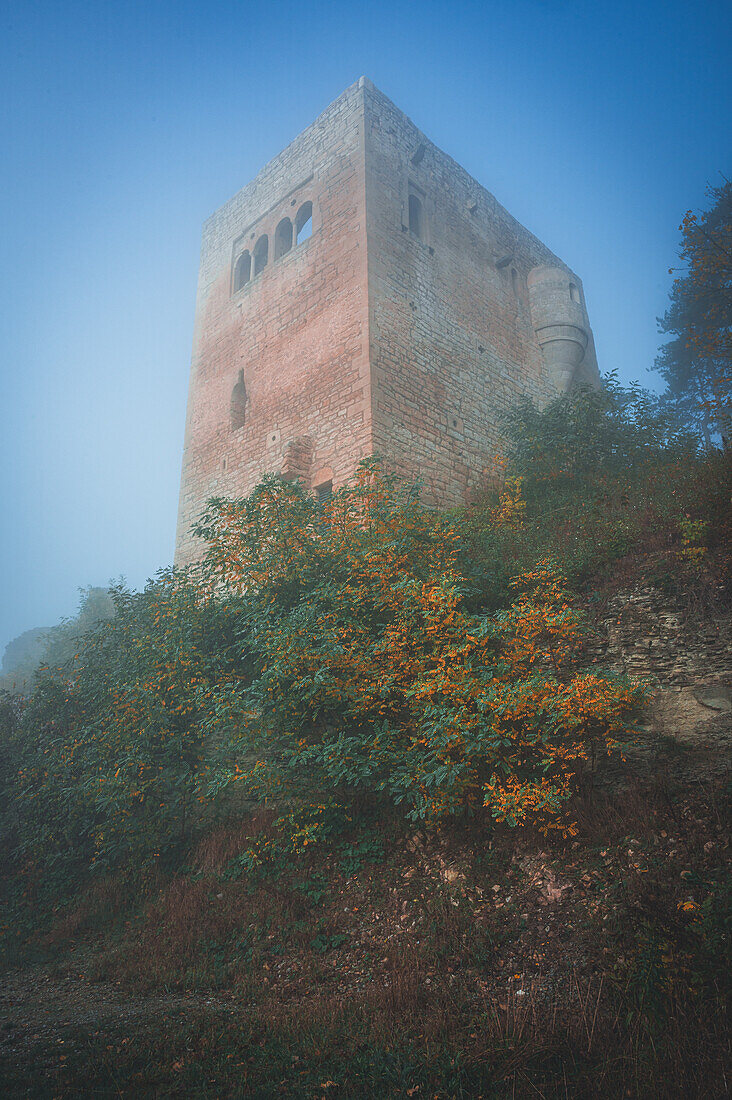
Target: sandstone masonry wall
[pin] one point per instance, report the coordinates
(368, 336)
(452, 340)
(297, 330)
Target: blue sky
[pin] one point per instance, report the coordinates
(124, 125)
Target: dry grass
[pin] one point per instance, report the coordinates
(582, 975)
(229, 840)
(97, 905)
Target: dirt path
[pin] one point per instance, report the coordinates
(50, 1018)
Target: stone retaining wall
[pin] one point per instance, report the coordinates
(647, 635)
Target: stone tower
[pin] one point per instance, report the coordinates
(363, 294)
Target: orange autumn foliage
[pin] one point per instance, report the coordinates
(374, 674)
(319, 651)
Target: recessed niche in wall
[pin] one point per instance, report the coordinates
(283, 238)
(323, 491)
(416, 217)
(261, 254)
(238, 404)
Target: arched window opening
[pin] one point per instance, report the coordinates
(283, 238)
(515, 281)
(416, 217)
(261, 254)
(238, 406)
(242, 271)
(574, 292)
(304, 222)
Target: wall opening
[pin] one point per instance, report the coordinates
(242, 271)
(324, 491)
(238, 405)
(515, 281)
(574, 292)
(304, 222)
(416, 217)
(418, 154)
(261, 254)
(283, 238)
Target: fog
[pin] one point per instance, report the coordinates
(124, 126)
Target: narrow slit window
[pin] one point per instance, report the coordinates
(304, 222)
(242, 271)
(261, 254)
(283, 238)
(515, 281)
(574, 292)
(238, 406)
(416, 217)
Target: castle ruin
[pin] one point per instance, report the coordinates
(363, 294)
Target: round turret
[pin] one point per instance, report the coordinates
(560, 322)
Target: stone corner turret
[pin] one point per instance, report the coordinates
(560, 321)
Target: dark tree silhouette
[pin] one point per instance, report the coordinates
(697, 362)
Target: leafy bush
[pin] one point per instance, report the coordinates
(115, 748)
(372, 675)
(361, 650)
(594, 477)
(590, 431)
